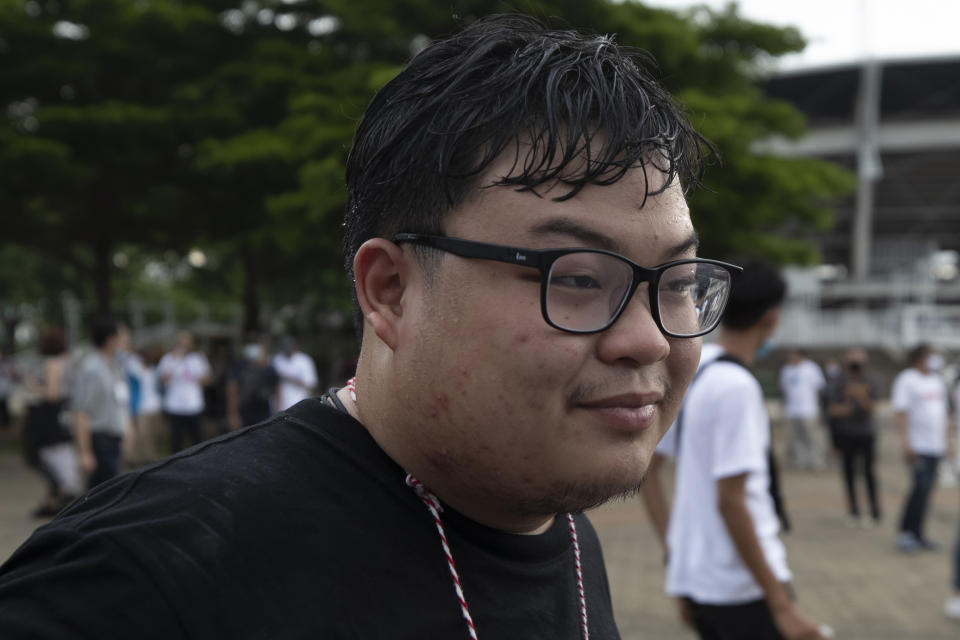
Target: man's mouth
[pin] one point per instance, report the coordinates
(626, 412)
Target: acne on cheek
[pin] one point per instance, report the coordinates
(440, 459)
(439, 405)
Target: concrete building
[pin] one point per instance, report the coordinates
(891, 271)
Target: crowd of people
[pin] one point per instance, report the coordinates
(726, 562)
(530, 302)
(844, 400)
(106, 406)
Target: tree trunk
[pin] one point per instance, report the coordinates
(10, 321)
(102, 274)
(251, 293)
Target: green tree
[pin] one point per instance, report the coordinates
(755, 204)
(166, 124)
(91, 156)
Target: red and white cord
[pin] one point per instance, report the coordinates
(434, 507)
(581, 593)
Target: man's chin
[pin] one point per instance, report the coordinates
(572, 497)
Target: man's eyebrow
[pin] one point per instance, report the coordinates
(591, 238)
(692, 242)
(567, 227)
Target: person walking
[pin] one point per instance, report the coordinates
(298, 374)
(147, 420)
(851, 400)
(530, 306)
(952, 605)
(48, 443)
(726, 564)
(100, 403)
(801, 382)
(6, 385)
(183, 373)
(919, 400)
(251, 385)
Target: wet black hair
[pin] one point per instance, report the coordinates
(103, 328)
(756, 290)
(52, 341)
(571, 108)
(918, 353)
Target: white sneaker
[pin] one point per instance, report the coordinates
(907, 542)
(952, 607)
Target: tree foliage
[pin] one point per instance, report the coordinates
(155, 125)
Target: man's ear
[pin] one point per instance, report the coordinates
(381, 272)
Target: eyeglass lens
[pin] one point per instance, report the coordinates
(586, 290)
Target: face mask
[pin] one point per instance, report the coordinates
(765, 349)
(252, 351)
(934, 362)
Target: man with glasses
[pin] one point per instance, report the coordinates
(725, 561)
(530, 304)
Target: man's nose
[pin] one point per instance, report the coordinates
(635, 335)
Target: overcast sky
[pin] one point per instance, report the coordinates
(846, 30)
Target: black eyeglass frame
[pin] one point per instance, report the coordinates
(543, 259)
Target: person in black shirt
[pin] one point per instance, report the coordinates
(251, 385)
(850, 404)
(530, 307)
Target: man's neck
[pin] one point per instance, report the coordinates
(469, 508)
(742, 345)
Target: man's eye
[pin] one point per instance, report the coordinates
(679, 285)
(575, 281)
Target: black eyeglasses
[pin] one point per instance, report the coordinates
(586, 290)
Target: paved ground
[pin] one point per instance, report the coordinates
(850, 578)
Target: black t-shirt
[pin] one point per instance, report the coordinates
(300, 527)
(859, 423)
(256, 384)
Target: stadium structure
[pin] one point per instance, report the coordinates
(890, 276)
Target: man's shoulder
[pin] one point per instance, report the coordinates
(90, 368)
(725, 387)
(303, 358)
(292, 454)
(906, 376)
(812, 367)
(725, 375)
(89, 360)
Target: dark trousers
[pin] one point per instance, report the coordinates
(956, 561)
(180, 425)
(4, 413)
(748, 621)
(106, 449)
(859, 451)
(924, 473)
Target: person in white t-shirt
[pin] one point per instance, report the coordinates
(801, 382)
(726, 563)
(142, 442)
(919, 399)
(298, 374)
(183, 373)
